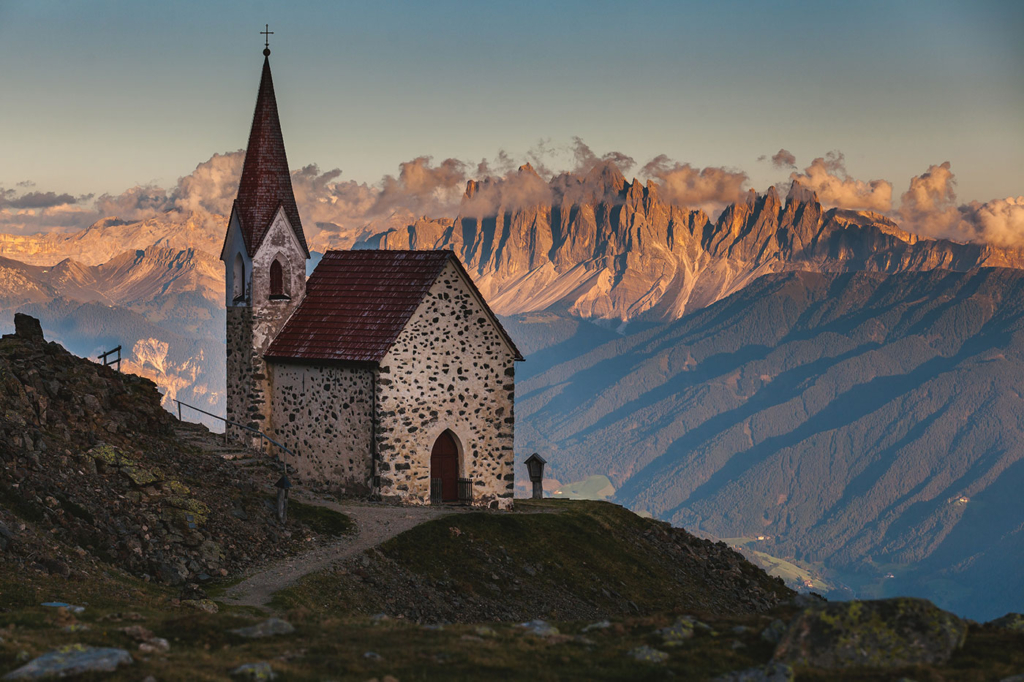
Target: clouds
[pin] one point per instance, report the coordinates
(586, 160)
(10, 199)
(827, 177)
(710, 188)
(999, 222)
(212, 186)
(336, 211)
(929, 207)
(24, 212)
(423, 188)
(781, 159)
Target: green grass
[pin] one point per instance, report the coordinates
(793, 572)
(320, 519)
(565, 557)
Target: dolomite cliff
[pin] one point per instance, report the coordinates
(600, 246)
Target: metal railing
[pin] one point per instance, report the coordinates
(117, 360)
(255, 432)
(465, 490)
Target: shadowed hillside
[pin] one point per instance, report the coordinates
(868, 421)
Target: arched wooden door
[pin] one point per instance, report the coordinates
(444, 465)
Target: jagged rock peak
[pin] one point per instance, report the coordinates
(801, 194)
(528, 168)
(605, 176)
(472, 187)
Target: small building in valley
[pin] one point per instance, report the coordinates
(385, 372)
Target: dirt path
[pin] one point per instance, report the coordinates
(375, 523)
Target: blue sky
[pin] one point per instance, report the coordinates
(102, 95)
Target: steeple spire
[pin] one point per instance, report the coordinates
(266, 184)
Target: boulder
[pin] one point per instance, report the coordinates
(539, 628)
(773, 672)
(253, 671)
(647, 654)
(887, 633)
(268, 628)
(71, 660)
(27, 327)
(1011, 621)
(677, 633)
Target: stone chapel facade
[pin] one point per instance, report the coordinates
(385, 373)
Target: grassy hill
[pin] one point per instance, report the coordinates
(338, 635)
(567, 559)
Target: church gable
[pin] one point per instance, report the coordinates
(448, 376)
(287, 279)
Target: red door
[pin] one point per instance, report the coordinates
(444, 464)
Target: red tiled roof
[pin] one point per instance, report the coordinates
(357, 302)
(266, 184)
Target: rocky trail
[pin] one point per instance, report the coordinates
(375, 523)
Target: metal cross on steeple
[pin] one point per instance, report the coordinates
(266, 33)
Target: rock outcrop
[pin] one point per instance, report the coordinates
(92, 460)
(889, 633)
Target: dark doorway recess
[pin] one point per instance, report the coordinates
(444, 467)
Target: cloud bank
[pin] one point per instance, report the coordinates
(338, 211)
(710, 189)
(929, 207)
(827, 177)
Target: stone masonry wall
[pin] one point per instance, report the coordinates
(324, 414)
(251, 327)
(450, 368)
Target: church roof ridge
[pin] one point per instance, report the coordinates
(266, 183)
(358, 302)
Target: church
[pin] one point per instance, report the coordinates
(385, 373)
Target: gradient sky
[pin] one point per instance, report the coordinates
(96, 96)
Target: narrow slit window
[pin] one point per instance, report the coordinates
(277, 289)
(238, 280)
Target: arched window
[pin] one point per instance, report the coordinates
(238, 280)
(277, 285)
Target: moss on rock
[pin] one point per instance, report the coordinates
(887, 633)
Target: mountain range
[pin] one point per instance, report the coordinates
(163, 306)
(816, 382)
(603, 247)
